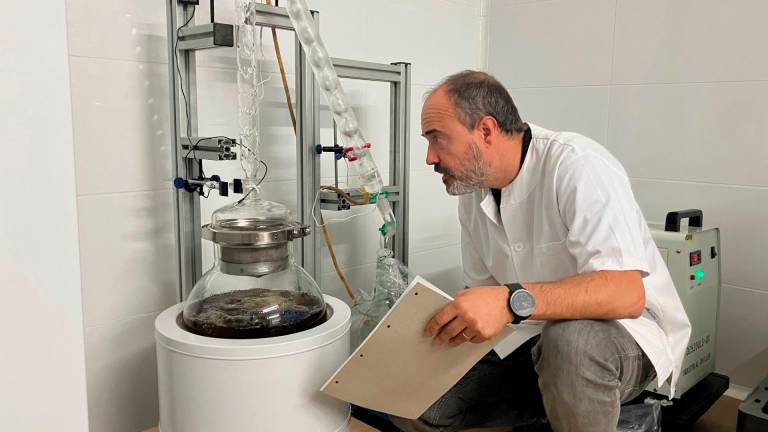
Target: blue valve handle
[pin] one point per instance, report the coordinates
(179, 183)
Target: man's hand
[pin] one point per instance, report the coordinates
(477, 315)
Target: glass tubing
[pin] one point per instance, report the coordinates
(360, 158)
(250, 90)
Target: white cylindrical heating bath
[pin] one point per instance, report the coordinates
(270, 384)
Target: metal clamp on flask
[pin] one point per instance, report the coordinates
(253, 247)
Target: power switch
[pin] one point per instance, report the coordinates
(713, 252)
(695, 258)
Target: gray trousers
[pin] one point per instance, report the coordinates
(575, 375)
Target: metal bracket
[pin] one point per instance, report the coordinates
(205, 36)
(215, 148)
(273, 16)
(333, 201)
(367, 71)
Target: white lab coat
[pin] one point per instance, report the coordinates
(571, 211)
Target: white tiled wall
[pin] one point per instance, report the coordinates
(551, 43)
(676, 90)
(584, 109)
(659, 41)
(118, 57)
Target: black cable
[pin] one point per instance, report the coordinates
(266, 170)
(181, 85)
(193, 147)
(200, 167)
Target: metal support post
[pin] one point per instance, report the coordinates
(308, 166)
(181, 73)
(400, 99)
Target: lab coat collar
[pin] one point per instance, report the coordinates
(517, 191)
(488, 204)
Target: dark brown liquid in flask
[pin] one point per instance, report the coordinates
(254, 313)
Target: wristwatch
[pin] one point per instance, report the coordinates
(521, 302)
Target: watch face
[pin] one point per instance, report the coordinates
(522, 303)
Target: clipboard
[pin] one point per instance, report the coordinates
(397, 369)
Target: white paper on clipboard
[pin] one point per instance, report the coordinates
(521, 334)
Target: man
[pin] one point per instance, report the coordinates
(550, 231)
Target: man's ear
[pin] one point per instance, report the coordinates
(488, 127)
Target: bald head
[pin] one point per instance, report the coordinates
(438, 113)
(473, 130)
(476, 94)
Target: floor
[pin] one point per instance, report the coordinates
(720, 418)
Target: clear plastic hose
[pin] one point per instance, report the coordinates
(360, 159)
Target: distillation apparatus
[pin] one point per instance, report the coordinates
(254, 337)
(255, 289)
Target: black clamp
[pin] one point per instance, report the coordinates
(199, 185)
(337, 150)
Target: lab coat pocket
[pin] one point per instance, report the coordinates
(553, 261)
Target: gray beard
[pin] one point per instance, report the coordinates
(463, 187)
(472, 176)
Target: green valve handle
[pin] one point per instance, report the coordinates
(385, 227)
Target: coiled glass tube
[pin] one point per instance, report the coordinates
(250, 87)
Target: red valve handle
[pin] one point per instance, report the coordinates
(350, 148)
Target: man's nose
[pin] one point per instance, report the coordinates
(432, 158)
